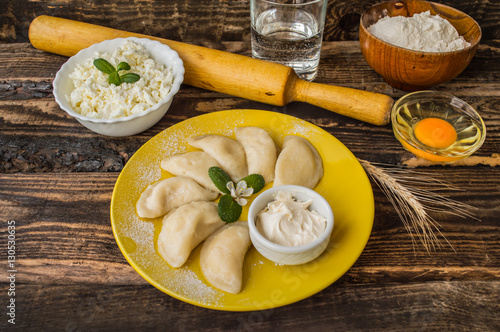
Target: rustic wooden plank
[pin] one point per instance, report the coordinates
(204, 22)
(41, 113)
(25, 122)
(35, 197)
(341, 64)
(64, 233)
(344, 62)
(436, 306)
(41, 116)
(57, 177)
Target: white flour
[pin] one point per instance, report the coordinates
(421, 32)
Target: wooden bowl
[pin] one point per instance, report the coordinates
(415, 70)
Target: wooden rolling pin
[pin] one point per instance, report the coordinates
(224, 72)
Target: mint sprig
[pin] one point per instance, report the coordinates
(255, 181)
(219, 178)
(229, 210)
(114, 77)
(231, 202)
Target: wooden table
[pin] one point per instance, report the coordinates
(56, 180)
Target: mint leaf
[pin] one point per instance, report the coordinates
(219, 178)
(255, 181)
(104, 66)
(130, 78)
(229, 210)
(122, 66)
(107, 68)
(114, 78)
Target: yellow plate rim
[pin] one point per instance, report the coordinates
(250, 304)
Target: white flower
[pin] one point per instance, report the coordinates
(240, 191)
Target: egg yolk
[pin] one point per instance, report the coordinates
(436, 133)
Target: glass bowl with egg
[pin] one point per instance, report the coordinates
(290, 224)
(128, 93)
(437, 126)
(416, 44)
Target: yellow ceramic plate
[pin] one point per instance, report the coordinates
(265, 284)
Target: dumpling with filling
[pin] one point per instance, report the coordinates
(228, 153)
(299, 163)
(193, 165)
(184, 228)
(260, 150)
(161, 197)
(222, 256)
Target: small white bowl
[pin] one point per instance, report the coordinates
(283, 254)
(129, 125)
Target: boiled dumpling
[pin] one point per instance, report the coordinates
(184, 228)
(161, 197)
(299, 163)
(222, 256)
(193, 165)
(228, 152)
(260, 150)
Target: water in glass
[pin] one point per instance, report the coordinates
(296, 44)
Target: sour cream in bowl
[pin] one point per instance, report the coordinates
(290, 224)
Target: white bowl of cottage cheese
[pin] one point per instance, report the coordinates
(290, 224)
(120, 99)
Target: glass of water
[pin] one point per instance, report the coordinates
(289, 32)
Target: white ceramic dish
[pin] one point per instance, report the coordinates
(123, 126)
(283, 254)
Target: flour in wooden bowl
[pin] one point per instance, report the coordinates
(421, 32)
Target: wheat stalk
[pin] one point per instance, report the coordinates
(413, 195)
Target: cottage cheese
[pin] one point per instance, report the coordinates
(94, 97)
(421, 32)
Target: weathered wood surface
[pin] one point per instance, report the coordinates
(76, 278)
(439, 306)
(27, 97)
(57, 177)
(204, 22)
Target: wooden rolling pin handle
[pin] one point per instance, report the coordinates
(366, 106)
(224, 72)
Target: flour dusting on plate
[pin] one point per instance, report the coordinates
(266, 285)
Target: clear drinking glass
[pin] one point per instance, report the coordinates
(289, 32)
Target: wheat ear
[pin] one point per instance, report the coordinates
(413, 195)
